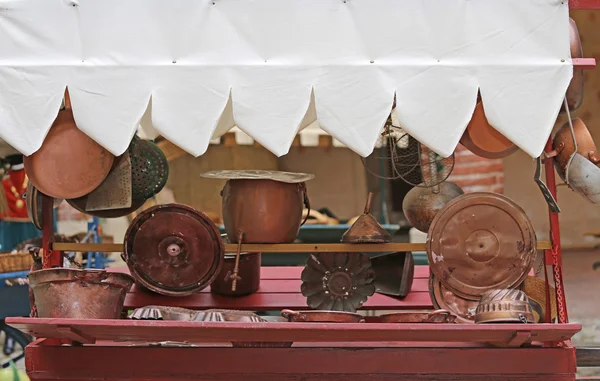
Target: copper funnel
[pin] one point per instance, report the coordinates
(394, 273)
(366, 229)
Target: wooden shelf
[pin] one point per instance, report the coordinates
(88, 331)
(279, 248)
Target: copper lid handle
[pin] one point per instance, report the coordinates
(369, 202)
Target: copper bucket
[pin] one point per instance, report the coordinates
(79, 294)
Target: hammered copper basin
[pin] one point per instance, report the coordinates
(79, 294)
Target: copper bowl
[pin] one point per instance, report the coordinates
(316, 316)
(564, 145)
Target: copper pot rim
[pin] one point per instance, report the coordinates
(63, 274)
(423, 315)
(278, 176)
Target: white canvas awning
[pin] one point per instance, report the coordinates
(193, 69)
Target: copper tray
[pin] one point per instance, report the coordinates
(173, 250)
(68, 171)
(444, 299)
(322, 316)
(480, 242)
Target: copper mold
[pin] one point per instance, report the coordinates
(173, 250)
(366, 229)
(394, 273)
(427, 317)
(322, 316)
(420, 205)
(504, 306)
(79, 294)
(68, 173)
(484, 140)
(442, 298)
(479, 242)
(337, 281)
(576, 87)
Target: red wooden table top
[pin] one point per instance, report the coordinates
(279, 289)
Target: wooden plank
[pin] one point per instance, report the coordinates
(588, 356)
(278, 248)
(584, 4)
(585, 63)
(219, 332)
(299, 364)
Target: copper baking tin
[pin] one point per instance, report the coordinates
(173, 250)
(504, 306)
(337, 281)
(479, 242)
(442, 298)
(394, 273)
(426, 317)
(484, 140)
(576, 87)
(366, 229)
(69, 164)
(322, 316)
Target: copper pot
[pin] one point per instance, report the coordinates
(420, 205)
(484, 140)
(79, 294)
(316, 316)
(248, 279)
(565, 146)
(438, 316)
(576, 87)
(267, 211)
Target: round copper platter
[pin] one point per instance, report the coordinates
(441, 298)
(479, 242)
(173, 250)
(71, 170)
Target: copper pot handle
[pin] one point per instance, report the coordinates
(293, 315)
(306, 201)
(435, 313)
(236, 268)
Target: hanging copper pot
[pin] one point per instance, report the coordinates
(484, 140)
(566, 147)
(394, 273)
(69, 164)
(265, 205)
(420, 205)
(576, 87)
(173, 250)
(366, 229)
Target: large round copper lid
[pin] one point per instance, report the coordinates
(69, 164)
(479, 242)
(484, 140)
(173, 250)
(443, 299)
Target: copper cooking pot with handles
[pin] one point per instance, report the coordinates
(265, 205)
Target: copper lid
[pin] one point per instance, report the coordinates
(173, 250)
(284, 177)
(479, 242)
(69, 164)
(484, 140)
(366, 229)
(442, 298)
(337, 281)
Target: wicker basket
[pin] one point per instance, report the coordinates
(15, 262)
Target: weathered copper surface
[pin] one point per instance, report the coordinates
(284, 177)
(394, 273)
(420, 205)
(68, 171)
(337, 281)
(322, 316)
(79, 204)
(266, 211)
(79, 294)
(366, 229)
(564, 145)
(438, 316)
(442, 298)
(504, 306)
(173, 250)
(479, 242)
(576, 87)
(484, 140)
(249, 275)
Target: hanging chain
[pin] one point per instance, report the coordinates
(540, 267)
(560, 305)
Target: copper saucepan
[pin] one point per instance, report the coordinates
(322, 316)
(437, 316)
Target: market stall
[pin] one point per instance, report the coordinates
(195, 304)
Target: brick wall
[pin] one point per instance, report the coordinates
(477, 174)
